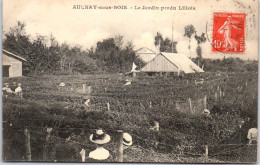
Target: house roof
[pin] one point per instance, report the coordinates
(13, 55)
(146, 50)
(181, 61)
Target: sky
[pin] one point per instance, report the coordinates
(88, 26)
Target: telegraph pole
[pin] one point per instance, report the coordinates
(172, 34)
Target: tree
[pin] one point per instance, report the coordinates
(189, 31)
(112, 56)
(200, 39)
(18, 42)
(127, 56)
(63, 55)
(118, 41)
(165, 45)
(158, 40)
(47, 59)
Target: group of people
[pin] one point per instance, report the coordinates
(14, 89)
(99, 137)
(67, 150)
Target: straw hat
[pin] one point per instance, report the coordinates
(62, 84)
(127, 139)
(99, 137)
(206, 111)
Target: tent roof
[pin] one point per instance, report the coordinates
(182, 62)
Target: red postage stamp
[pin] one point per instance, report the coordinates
(228, 32)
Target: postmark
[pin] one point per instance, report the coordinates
(228, 32)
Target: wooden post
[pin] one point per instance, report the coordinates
(83, 155)
(27, 144)
(205, 102)
(21, 95)
(45, 149)
(190, 105)
(89, 88)
(134, 74)
(206, 151)
(120, 145)
(83, 88)
(216, 96)
(108, 106)
(150, 104)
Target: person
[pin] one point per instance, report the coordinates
(66, 150)
(7, 90)
(156, 126)
(127, 140)
(226, 30)
(252, 135)
(13, 86)
(99, 137)
(18, 90)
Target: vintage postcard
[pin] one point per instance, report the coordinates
(157, 81)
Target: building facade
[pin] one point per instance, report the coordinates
(145, 54)
(12, 65)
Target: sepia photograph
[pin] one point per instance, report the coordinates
(151, 81)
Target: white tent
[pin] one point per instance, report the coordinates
(134, 67)
(171, 62)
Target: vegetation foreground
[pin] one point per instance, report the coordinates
(182, 135)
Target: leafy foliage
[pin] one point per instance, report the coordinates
(165, 45)
(47, 56)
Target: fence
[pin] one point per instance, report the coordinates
(37, 145)
(43, 144)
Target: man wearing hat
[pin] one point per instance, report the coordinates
(127, 140)
(99, 137)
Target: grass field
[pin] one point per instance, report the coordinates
(182, 134)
